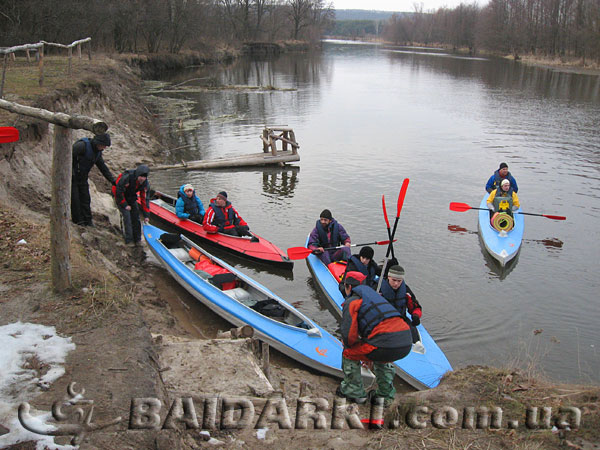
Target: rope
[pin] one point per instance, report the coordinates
(502, 221)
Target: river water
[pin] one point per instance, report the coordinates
(368, 116)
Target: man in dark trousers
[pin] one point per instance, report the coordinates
(87, 153)
(372, 330)
(125, 191)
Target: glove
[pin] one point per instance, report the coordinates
(515, 207)
(415, 321)
(490, 206)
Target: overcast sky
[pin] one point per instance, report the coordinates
(399, 5)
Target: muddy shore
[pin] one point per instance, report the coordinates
(137, 335)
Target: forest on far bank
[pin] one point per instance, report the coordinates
(550, 28)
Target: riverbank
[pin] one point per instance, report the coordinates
(121, 302)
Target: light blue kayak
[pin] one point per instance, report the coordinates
(422, 371)
(502, 245)
(279, 324)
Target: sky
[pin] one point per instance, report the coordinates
(398, 5)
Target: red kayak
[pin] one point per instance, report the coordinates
(162, 206)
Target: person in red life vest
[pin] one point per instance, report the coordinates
(87, 153)
(372, 330)
(395, 290)
(221, 217)
(125, 191)
(327, 233)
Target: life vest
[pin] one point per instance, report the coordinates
(335, 234)
(190, 205)
(367, 271)
(503, 201)
(205, 264)
(84, 164)
(373, 310)
(498, 179)
(396, 298)
(224, 218)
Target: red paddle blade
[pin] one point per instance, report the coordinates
(8, 134)
(298, 252)
(555, 217)
(401, 196)
(460, 207)
(387, 222)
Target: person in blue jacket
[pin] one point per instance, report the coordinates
(188, 205)
(501, 174)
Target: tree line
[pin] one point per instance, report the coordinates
(551, 28)
(162, 25)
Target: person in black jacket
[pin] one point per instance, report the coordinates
(125, 192)
(87, 153)
(363, 263)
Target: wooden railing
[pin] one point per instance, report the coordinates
(39, 49)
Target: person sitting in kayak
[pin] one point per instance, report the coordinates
(501, 174)
(328, 233)
(221, 217)
(363, 263)
(188, 205)
(395, 290)
(372, 330)
(503, 199)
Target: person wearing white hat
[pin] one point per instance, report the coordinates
(503, 199)
(188, 205)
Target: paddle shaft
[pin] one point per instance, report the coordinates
(303, 252)
(462, 207)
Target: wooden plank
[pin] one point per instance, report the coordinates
(256, 159)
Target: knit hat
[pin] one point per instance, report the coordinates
(187, 187)
(222, 194)
(396, 272)
(326, 214)
(354, 278)
(102, 139)
(142, 170)
(367, 252)
(505, 181)
(503, 165)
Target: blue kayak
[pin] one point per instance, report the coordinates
(242, 301)
(502, 245)
(422, 371)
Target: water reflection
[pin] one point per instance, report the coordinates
(280, 182)
(495, 270)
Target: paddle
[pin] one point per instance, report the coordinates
(462, 207)
(8, 134)
(391, 234)
(303, 252)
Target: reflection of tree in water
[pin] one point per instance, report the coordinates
(281, 182)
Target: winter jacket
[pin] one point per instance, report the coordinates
(85, 156)
(185, 206)
(495, 179)
(218, 219)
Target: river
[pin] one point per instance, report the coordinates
(368, 116)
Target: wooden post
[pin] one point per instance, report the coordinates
(3, 74)
(90, 50)
(79, 50)
(28, 55)
(60, 209)
(266, 366)
(284, 140)
(265, 140)
(70, 60)
(41, 65)
(273, 143)
(293, 138)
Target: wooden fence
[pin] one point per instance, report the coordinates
(38, 48)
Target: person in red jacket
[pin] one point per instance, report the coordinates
(372, 330)
(221, 217)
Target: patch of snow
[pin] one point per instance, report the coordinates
(20, 345)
